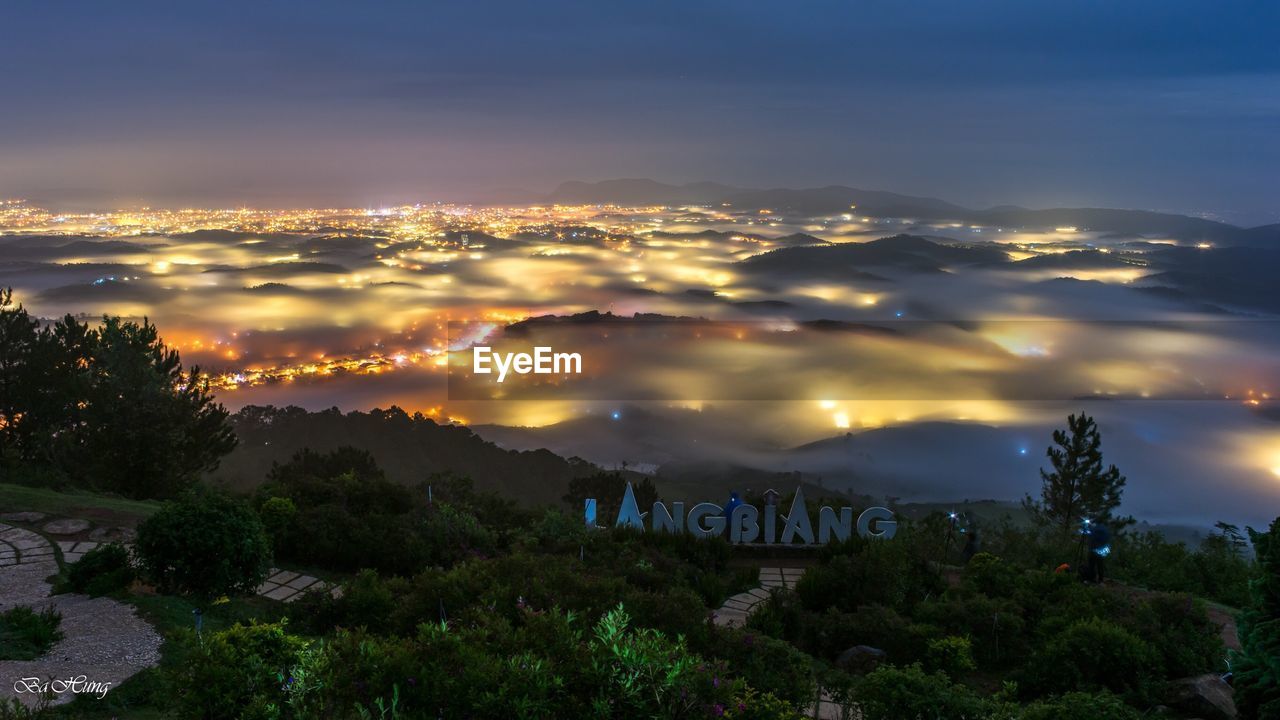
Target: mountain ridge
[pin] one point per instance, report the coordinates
(838, 199)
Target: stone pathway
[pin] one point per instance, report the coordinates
(103, 640)
(287, 586)
(72, 551)
(735, 610)
(23, 547)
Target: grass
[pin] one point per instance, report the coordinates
(26, 634)
(169, 613)
(75, 503)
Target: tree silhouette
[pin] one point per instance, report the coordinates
(1078, 487)
(109, 407)
(1256, 666)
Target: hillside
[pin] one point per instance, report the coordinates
(409, 448)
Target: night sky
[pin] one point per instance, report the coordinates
(1171, 105)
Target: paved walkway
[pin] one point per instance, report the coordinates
(735, 610)
(23, 547)
(72, 551)
(287, 586)
(734, 613)
(103, 640)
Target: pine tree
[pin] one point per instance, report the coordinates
(1256, 666)
(148, 426)
(1078, 487)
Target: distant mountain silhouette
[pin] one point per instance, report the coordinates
(1239, 276)
(835, 199)
(862, 261)
(838, 199)
(1075, 260)
(55, 247)
(1123, 222)
(794, 239)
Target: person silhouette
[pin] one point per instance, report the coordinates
(734, 501)
(971, 545)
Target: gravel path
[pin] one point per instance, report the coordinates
(103, 640)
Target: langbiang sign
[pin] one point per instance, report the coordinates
(749, 524)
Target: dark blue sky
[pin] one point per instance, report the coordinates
(1167, 105)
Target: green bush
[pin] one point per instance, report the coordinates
(754, 705)
(367, 602)
(277, 514)
(546, 664)
(768, 665)
(991, 576)
(1091, 655)
(828, 634)
(244, 672)
(995, 627)
(26, 634)
(1217, 569)
(450, 535)
(1179, 629)
(206, 545)
(879, 573)
(1080, 706)
(951, 654)
(338, 510)
(909, 693)
(101, 571)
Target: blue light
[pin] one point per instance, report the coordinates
(1103, 551)
(616, 415)
(1022, 451)
(898, 314)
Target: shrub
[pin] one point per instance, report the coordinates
(338, 510)
(557, 531)
(101, 571)
(951, 654)
(1080, 706)
(882, 573)
(754, 705)
(277, 514)
(1181, 632)
(450, 535)
(206, 545)
(780, 616)
(828, 634)
(766, 664)
(26, 634)
(909, 693)
(367, 602)
(991, 576)
(1217, 569)
(552, 667)
(995, 628)
(245, 671)
(1093, 654)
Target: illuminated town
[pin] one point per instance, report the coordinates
(353, 306)
(608, 360)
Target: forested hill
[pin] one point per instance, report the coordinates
(409, 448)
